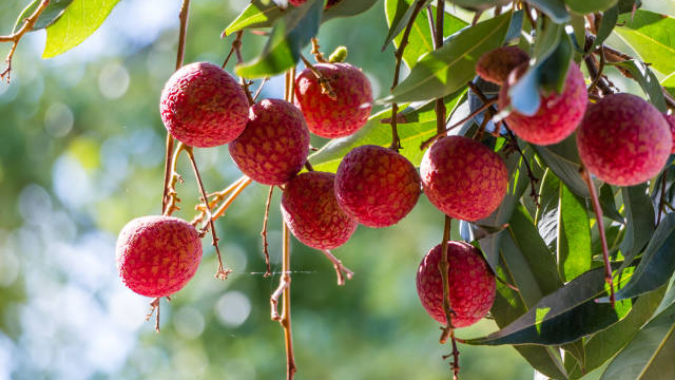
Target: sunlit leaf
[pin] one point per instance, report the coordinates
(48, 16)
(256, 15)
(346, 8)
(650, 35)
(585, 6)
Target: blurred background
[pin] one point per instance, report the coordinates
(81, 154)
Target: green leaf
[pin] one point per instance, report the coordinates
(639, 221)
(649, 356)
(669, 84)
(647, 80)
(664, 7)
(650, 35)
(609, 20)
(608, 204)
(449, 68)
(563, 159)
(555, 9)
(574, 236)
(48, 16)
(584, 6)
(657, 263)
(289, 35)
(564, 316)
(348, 8)
(398, 14)
(79, 21)
(478, 5)
(417, 125)
(257, 15)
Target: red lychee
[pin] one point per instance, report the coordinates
(312, 213)
(203, 106)
(671, 122)
(338, 117)
(296, 3)
(495, 65)
(471, 284)
(158, 255)
(623, 140)
(275, 144)
(376, 186)
(463, 178)
(558, 114)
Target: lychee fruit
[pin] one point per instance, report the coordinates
(624, 140)
(463, 178)
(495, 65)
(671, 122)
(471, 284)
(296, 3)
(376, 186)
(203, 106)
(558, 115)
(338, 116)
(158, 255)
(312, 213)
(275, 144)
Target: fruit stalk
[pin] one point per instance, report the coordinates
(341, 270)
(284, 290)
(263, 233)
(14, 38)
(444, 267)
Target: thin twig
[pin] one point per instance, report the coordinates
(14, 38)
(664, 179)
(316, 51)
(263, 233)
(228, 202)
(236, 46)
(260, 88)
(174, 178)
(217, 198)
(444, 130)
(444, 267)
(154, 306)
(221, 272)
(323, 82)
(340, 269)
(601, 229)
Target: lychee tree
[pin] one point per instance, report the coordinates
(571, 99)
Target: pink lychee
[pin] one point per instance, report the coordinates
(624, 140)
(203, 106)
(275, 144)
(471, 284)
(157, 255)
(558, 115)
(312, 213)
(376, 186)
(671, 122)
(338, 117)
(495, 65)
(296, 3)
(463, 178)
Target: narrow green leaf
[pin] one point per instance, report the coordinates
(478, 5)
(555, 9)
(647, 80)
(608, 204)
(563, 159)
(48, 16)
(256, 15)
(289, 35)
(651, 36)
(584, 6)
(449, 68)
(669, 84)
(347, 8)
(79, 21)
(609, 20)
(574, 236)
(639, 221)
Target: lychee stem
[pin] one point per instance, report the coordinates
(601, 229)
(263, 233)
(662, 201)
(228, 202)
(154, 306)
(340, 269)
(221, 272)
(316, 51)
(444, 267)
(323, 82)
(14, 38)
(443, 131)
(217, 198)
(174, 177)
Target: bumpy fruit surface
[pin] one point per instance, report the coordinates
(558, 115)
(623, 140)
(376, 186)
(157, 255)
(338, 117)
(275, 144)
(495, 65)
(463, 178)
(203, 106)
(312, 213)
(671, 122)
(471, 284)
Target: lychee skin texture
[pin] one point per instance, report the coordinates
(471, 284)
(463, 178)
(671, 122)
(338, 117)
(495, 65)
(275, 144)
(623, 140)
(558, 115)
(312, 213)
(296, 3)
(376, 186)
(203, 106)
(157, 255)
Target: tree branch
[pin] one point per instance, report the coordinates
(14, 38)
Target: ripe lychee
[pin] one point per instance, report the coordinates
(203, 106)
(558, 115)
(623, 140)
(463, 178)
(471, 284)
(376, 186)
(671, 122)
(343, 115)
(312, 213)
(495, 65)
(158, 255)
(275, 144)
